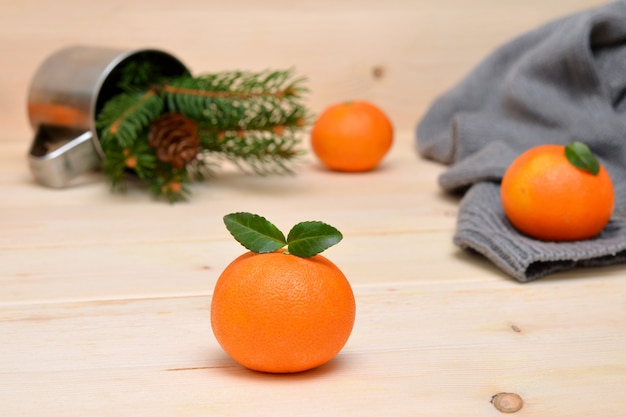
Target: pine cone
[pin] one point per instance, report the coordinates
(175, 138)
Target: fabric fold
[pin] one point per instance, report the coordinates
(482, 227)
(564, 81)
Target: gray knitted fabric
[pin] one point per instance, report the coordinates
(561, 82)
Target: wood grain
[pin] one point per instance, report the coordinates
(421, 46)
(416, 349)
(104, 298)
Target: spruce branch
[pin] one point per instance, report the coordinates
(250, 119)
(140, 73)
(119, 160)
(171, 184)
(256, 151)
(127, 115)
(231, 100)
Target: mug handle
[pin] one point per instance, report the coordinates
(58, 155)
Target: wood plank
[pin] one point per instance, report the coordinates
(402, 174)
(422, 46)
(104, 299)
(418, 349)
(156, 269)
(85, 242)
(402, 195)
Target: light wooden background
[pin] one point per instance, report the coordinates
(104, 298)
(421, 47)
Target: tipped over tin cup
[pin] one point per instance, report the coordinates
(65, 96)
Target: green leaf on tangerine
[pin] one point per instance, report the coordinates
(254, 232)
(579, 155)
(307, 239)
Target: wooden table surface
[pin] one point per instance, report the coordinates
(104, 298)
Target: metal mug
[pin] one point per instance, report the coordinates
(66, 93)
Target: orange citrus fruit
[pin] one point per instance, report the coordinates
(548, 198)
(277, 312)
(352, 136)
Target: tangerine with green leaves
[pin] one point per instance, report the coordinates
(352, 136)
(558, 193)
(282, 307)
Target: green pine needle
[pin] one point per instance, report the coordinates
(127, 115)
(250, 119)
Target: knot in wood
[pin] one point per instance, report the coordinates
(507, 402)
(378, 72)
